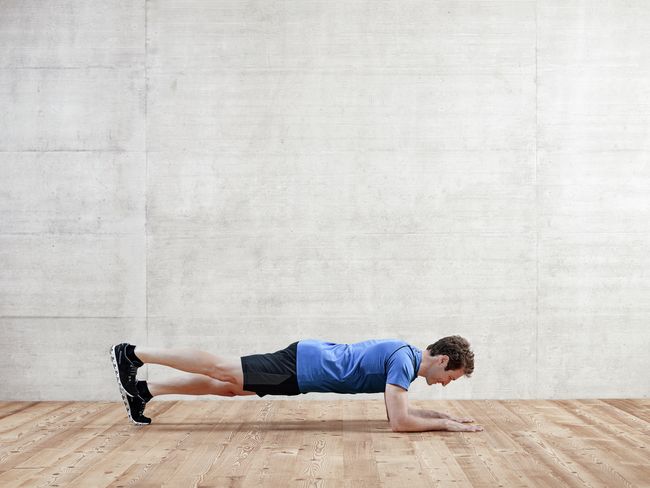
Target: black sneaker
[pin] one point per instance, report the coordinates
(135, 409)
(125, 369)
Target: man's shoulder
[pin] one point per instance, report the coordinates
(392, 351)
(386, 342)
(396, 345)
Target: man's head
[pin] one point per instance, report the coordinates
(449, 358)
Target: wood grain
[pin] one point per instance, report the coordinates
(324, 443)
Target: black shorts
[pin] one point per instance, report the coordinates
(273, 373)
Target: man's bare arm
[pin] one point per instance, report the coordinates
(402, 420)
(431, 414)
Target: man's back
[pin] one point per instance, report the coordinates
(362, 367)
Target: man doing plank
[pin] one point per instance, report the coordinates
(380, 365)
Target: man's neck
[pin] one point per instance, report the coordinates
(424, 364)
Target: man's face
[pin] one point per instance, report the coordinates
(438, 375)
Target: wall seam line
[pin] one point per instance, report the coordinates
(536, 211)
(146, 182)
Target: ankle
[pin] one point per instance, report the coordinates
(143, 391)
(131, 355)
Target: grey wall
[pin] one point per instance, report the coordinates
(239, 175)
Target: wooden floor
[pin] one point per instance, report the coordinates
(344, 443)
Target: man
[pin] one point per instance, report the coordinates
(386, 365)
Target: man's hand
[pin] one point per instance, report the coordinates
(454, 426)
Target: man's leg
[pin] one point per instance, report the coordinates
(213, 375)
(195, 384)
(223, 369)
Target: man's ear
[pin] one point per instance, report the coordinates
(444, 360)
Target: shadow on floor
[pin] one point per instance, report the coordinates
(355, 425)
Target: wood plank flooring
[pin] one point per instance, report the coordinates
(314, 443)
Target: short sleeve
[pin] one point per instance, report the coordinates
(399, 369)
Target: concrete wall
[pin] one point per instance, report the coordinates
(237, 175)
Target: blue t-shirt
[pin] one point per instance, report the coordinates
(363, 367)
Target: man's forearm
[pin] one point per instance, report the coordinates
(427, 414)
(413, 423)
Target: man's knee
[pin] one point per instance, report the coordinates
(226, 371)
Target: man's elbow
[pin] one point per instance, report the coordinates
(400, 424)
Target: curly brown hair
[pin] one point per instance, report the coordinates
(458, 351)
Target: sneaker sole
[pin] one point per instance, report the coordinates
(123, 392)
(117, 372)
